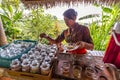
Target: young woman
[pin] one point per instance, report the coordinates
(75, 33)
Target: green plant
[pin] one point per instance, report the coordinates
(10, 16)
(21, 25)
(100, 29)
(37, 22)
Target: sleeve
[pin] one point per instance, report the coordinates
(60, 38)
(86, 36)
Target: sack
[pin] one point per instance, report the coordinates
(117, 61)
(113, 49)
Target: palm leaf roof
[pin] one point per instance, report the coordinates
(51, 3)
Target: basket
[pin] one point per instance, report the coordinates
(5, 62)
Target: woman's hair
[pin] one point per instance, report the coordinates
(70, 13)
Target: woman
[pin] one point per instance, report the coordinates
(74, 34)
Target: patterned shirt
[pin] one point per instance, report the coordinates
(78, 33)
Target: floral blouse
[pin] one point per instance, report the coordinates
(78, 33)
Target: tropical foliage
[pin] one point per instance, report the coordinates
(22, 23)
(101, 28)
(10, 16)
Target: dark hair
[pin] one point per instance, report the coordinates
(70, 13)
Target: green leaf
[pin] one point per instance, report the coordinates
(106, 9)
(17, 16)
(4, 16)
(89, 16)
(10, 8)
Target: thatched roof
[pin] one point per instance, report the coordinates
(51, 3)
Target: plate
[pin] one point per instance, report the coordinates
(71, 47)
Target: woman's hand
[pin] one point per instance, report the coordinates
(85, 45)
(81, 44)
(43, 35)
(60, 48)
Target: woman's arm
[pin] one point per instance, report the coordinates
(87, 39)
(86, 45)
(52, 41)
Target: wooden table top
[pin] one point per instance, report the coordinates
(96, 54)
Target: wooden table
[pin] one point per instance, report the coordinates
(5, 74)
(96, 55)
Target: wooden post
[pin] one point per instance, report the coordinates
(3, 39)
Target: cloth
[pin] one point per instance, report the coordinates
(117, 61)
(78, 51)
(79, 33)
(112, 53)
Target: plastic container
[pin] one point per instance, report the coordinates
(5, 62)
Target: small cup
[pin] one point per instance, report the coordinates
(77, 71)
(91, 73)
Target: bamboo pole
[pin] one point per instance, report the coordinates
(3, 39)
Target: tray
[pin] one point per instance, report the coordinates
(30, 76)
(5, 62)
(66, 57)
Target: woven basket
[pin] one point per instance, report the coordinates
(3, 40)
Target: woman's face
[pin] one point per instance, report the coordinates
(68, 22)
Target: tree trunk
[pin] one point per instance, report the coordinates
(3, 39)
